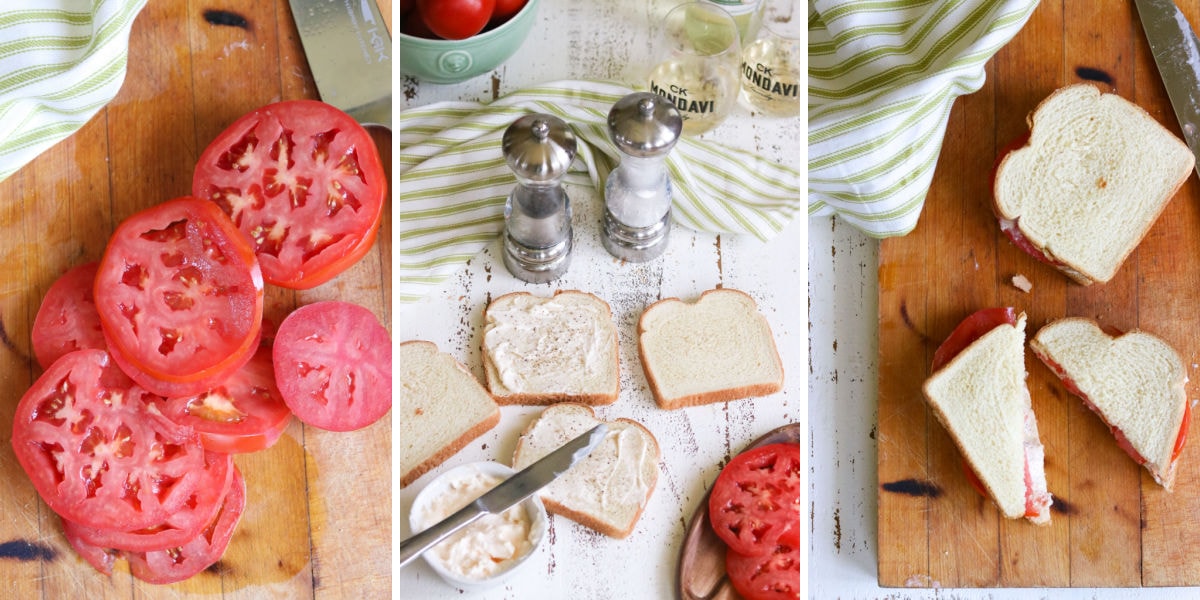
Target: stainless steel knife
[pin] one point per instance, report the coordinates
(508, 493)
(1176, 51)
(349, 51)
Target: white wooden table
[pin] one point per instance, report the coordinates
(607, 40)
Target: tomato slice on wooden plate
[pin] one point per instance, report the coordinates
(755, 501)
(245, 413)
(771, 576)
(180, 527)
(333, 365)
(180, 297)
(67, 320)
(304, 182)
(97, 449)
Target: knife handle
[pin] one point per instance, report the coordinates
(416, 544)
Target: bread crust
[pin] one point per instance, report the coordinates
(458, 443)
(713, 396)
(1076, 272)
(492, 376)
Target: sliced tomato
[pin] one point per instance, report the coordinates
(245, 413)
(181, 526)
(333, 365)
(180, 297)
(771, 576)
(97, 449)
(304, 182)
(755, 501)
(970, 329)
(199, 553)
(67, 320)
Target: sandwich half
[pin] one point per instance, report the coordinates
(1091, 179)
(978, 393)
(1133, 381)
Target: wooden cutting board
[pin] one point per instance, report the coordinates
(318, 520)
(1111, 524)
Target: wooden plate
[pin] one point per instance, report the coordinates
(701, 574)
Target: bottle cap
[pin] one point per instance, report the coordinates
(643, 124)
(539, 147)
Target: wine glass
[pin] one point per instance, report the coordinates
(771, 69)
(698, 56)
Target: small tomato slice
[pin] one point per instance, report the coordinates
(970, 329)
(180, 297)
(97, 449)
(771, 576)
(333, 365)
(755, 501)
(180, 527)
(245, 413)
(67, 320)
(304, 183)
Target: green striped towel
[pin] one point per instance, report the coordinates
(454, 180)
(883, 75)
(61, 61)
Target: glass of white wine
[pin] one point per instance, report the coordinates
(697, 63)
(771, 70)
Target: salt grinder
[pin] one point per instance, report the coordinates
(537, 216)
(637, 194)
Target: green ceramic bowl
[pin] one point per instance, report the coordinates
(454, 61)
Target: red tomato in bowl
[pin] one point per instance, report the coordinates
(97, 450)
(67, 320)
(180, 297)
(333, 365)
(505, 9)
(304, 183)
(456, 19)
(755, 501)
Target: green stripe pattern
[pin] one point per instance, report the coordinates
(882, 76)
(61, 61)
(453, 181)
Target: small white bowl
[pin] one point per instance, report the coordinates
(534, 510)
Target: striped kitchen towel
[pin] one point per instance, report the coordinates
(882, 77)
(61, 61)
(453, 180)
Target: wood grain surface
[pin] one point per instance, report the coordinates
(1111, 524)
(317, 521)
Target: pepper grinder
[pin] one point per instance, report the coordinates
(537, 216)
(637, 194)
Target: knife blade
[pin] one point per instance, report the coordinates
(349, 52)
(507, 494)
(1176, 51)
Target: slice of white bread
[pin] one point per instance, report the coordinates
(716, 349)
(1093, 178)
(544, 350)
(1133, 381)
(606, 491)
(442, 407)
(980, 397)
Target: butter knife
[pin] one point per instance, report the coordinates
(508, 493)
(349, 52)
(1176, 51)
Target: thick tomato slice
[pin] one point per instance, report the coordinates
(67, 319)
(333, 365)
(97, 449)
(970, 329)
(180, 527)
(245, 413)
(304, 182)
(755, 501)
(180, 297)
(771, 576)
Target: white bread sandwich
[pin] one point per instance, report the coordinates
(606, 491)
(716, 349)
(1093, 177)
(442, 407)
(1133, 381)
(978, 393)
(544, 350)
